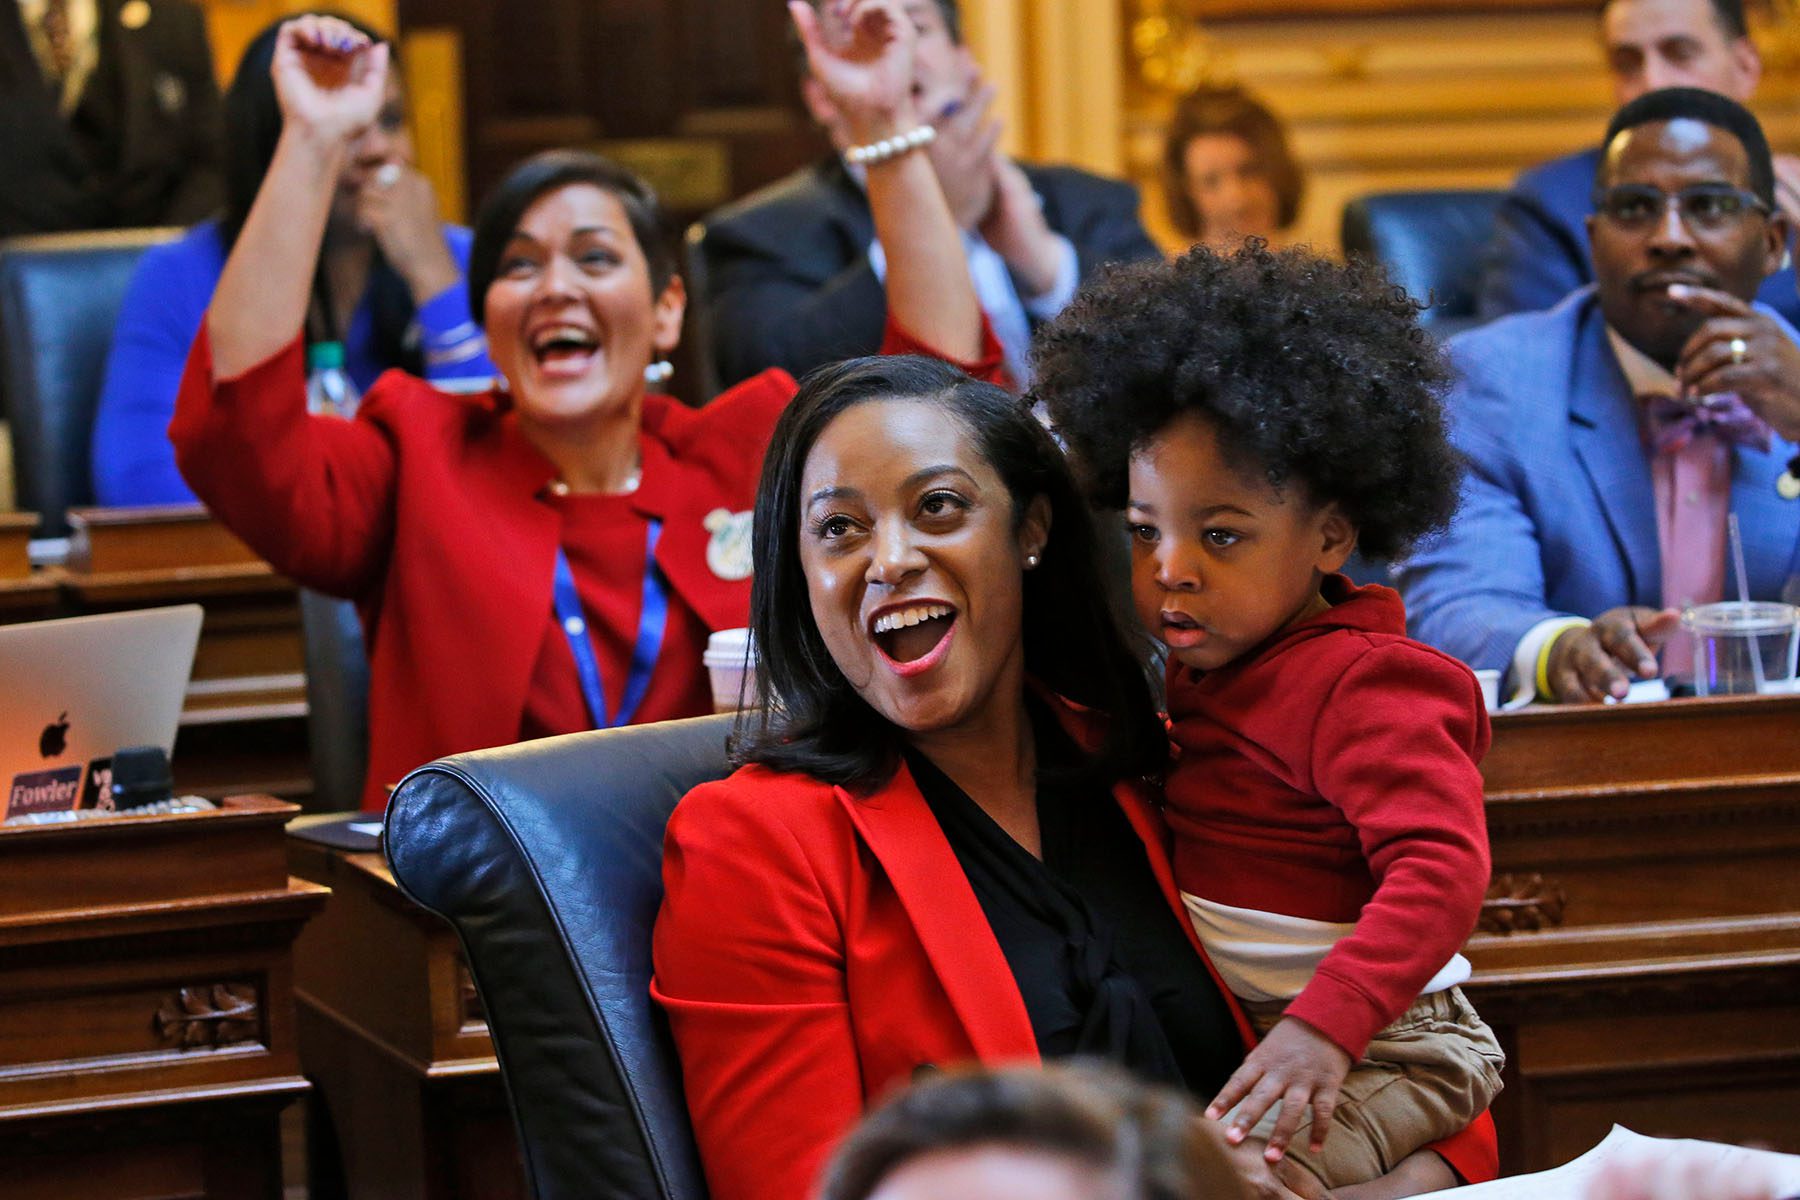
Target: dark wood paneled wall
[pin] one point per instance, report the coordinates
(699, 95)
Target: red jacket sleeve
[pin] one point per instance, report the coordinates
(749, 959)
(1474, 1154)
(989, 368)
(1395, 751)
(313, 495)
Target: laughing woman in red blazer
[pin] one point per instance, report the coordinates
(549, 556)
(941, 845)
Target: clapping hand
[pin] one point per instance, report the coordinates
(1295, 1064)
(861, 53)
(330, 79)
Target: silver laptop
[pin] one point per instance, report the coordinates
(73, 691)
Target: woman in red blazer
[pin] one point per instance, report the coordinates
(551, 555)
(917, 863)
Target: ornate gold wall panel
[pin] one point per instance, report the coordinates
(1422, 101)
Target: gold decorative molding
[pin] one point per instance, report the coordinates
(1170, 53)
(209, 1016)
(1776, 29)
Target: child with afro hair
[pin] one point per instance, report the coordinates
(1259, 416)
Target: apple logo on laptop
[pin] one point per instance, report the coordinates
(55, 738)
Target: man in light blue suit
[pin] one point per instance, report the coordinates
(1539, 251)
(1608, 438)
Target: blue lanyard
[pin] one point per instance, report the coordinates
(653, 620)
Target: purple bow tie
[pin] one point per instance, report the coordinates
(1675, 423)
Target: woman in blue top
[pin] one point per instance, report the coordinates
(388, 286)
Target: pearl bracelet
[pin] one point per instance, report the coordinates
(891, 147)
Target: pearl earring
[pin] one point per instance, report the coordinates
(1031, 560)
(658, 372)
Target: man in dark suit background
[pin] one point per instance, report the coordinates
(794, 271)
(1539, 252)
(109, 115)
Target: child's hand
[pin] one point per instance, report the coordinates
(1295, 1064)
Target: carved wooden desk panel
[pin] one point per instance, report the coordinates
(1640, 949)
(392, 1034)
(147, 1041)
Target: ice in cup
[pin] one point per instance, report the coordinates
(731, 664)
(1743, 646)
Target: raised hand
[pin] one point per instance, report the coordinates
(861, 53)
(1295, 1064)
(330, 79)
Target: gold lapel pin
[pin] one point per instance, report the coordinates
(135, 14)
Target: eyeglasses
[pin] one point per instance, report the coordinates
(1704, 207)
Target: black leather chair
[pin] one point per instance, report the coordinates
(1431, 243)
(337, 701)
(59, 298)
(547, 858)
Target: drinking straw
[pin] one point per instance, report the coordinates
(1743, 587)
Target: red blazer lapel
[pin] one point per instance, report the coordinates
(899, 829)
(695, 510)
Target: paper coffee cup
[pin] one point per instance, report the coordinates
(731, 665)
(1489, 679)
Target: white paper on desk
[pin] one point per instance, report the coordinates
(1572, 1179)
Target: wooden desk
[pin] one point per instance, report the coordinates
(1640, 949)
(25, 595)
(147, 1042)
(394, 1037)
(243, 728)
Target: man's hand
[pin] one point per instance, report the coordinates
(398, 207)
(1295, 1064)
(964, 152)
(1016, 229)
(1766, 376)
(1588, 665)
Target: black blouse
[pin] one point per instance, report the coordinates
(1099, 957)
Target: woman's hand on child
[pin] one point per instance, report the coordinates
(1295, 1064)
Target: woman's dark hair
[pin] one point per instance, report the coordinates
(1232, 112)
(252, 129)
(1310, 371)
(809, 718)
(544, 173)
(1147, 1142)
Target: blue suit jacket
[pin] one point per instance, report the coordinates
(163, 307)
(1558, 510)
(1539, 252)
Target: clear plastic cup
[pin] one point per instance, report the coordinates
(1743, 646)
(730, 660)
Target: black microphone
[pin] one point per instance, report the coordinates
(140, 776)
